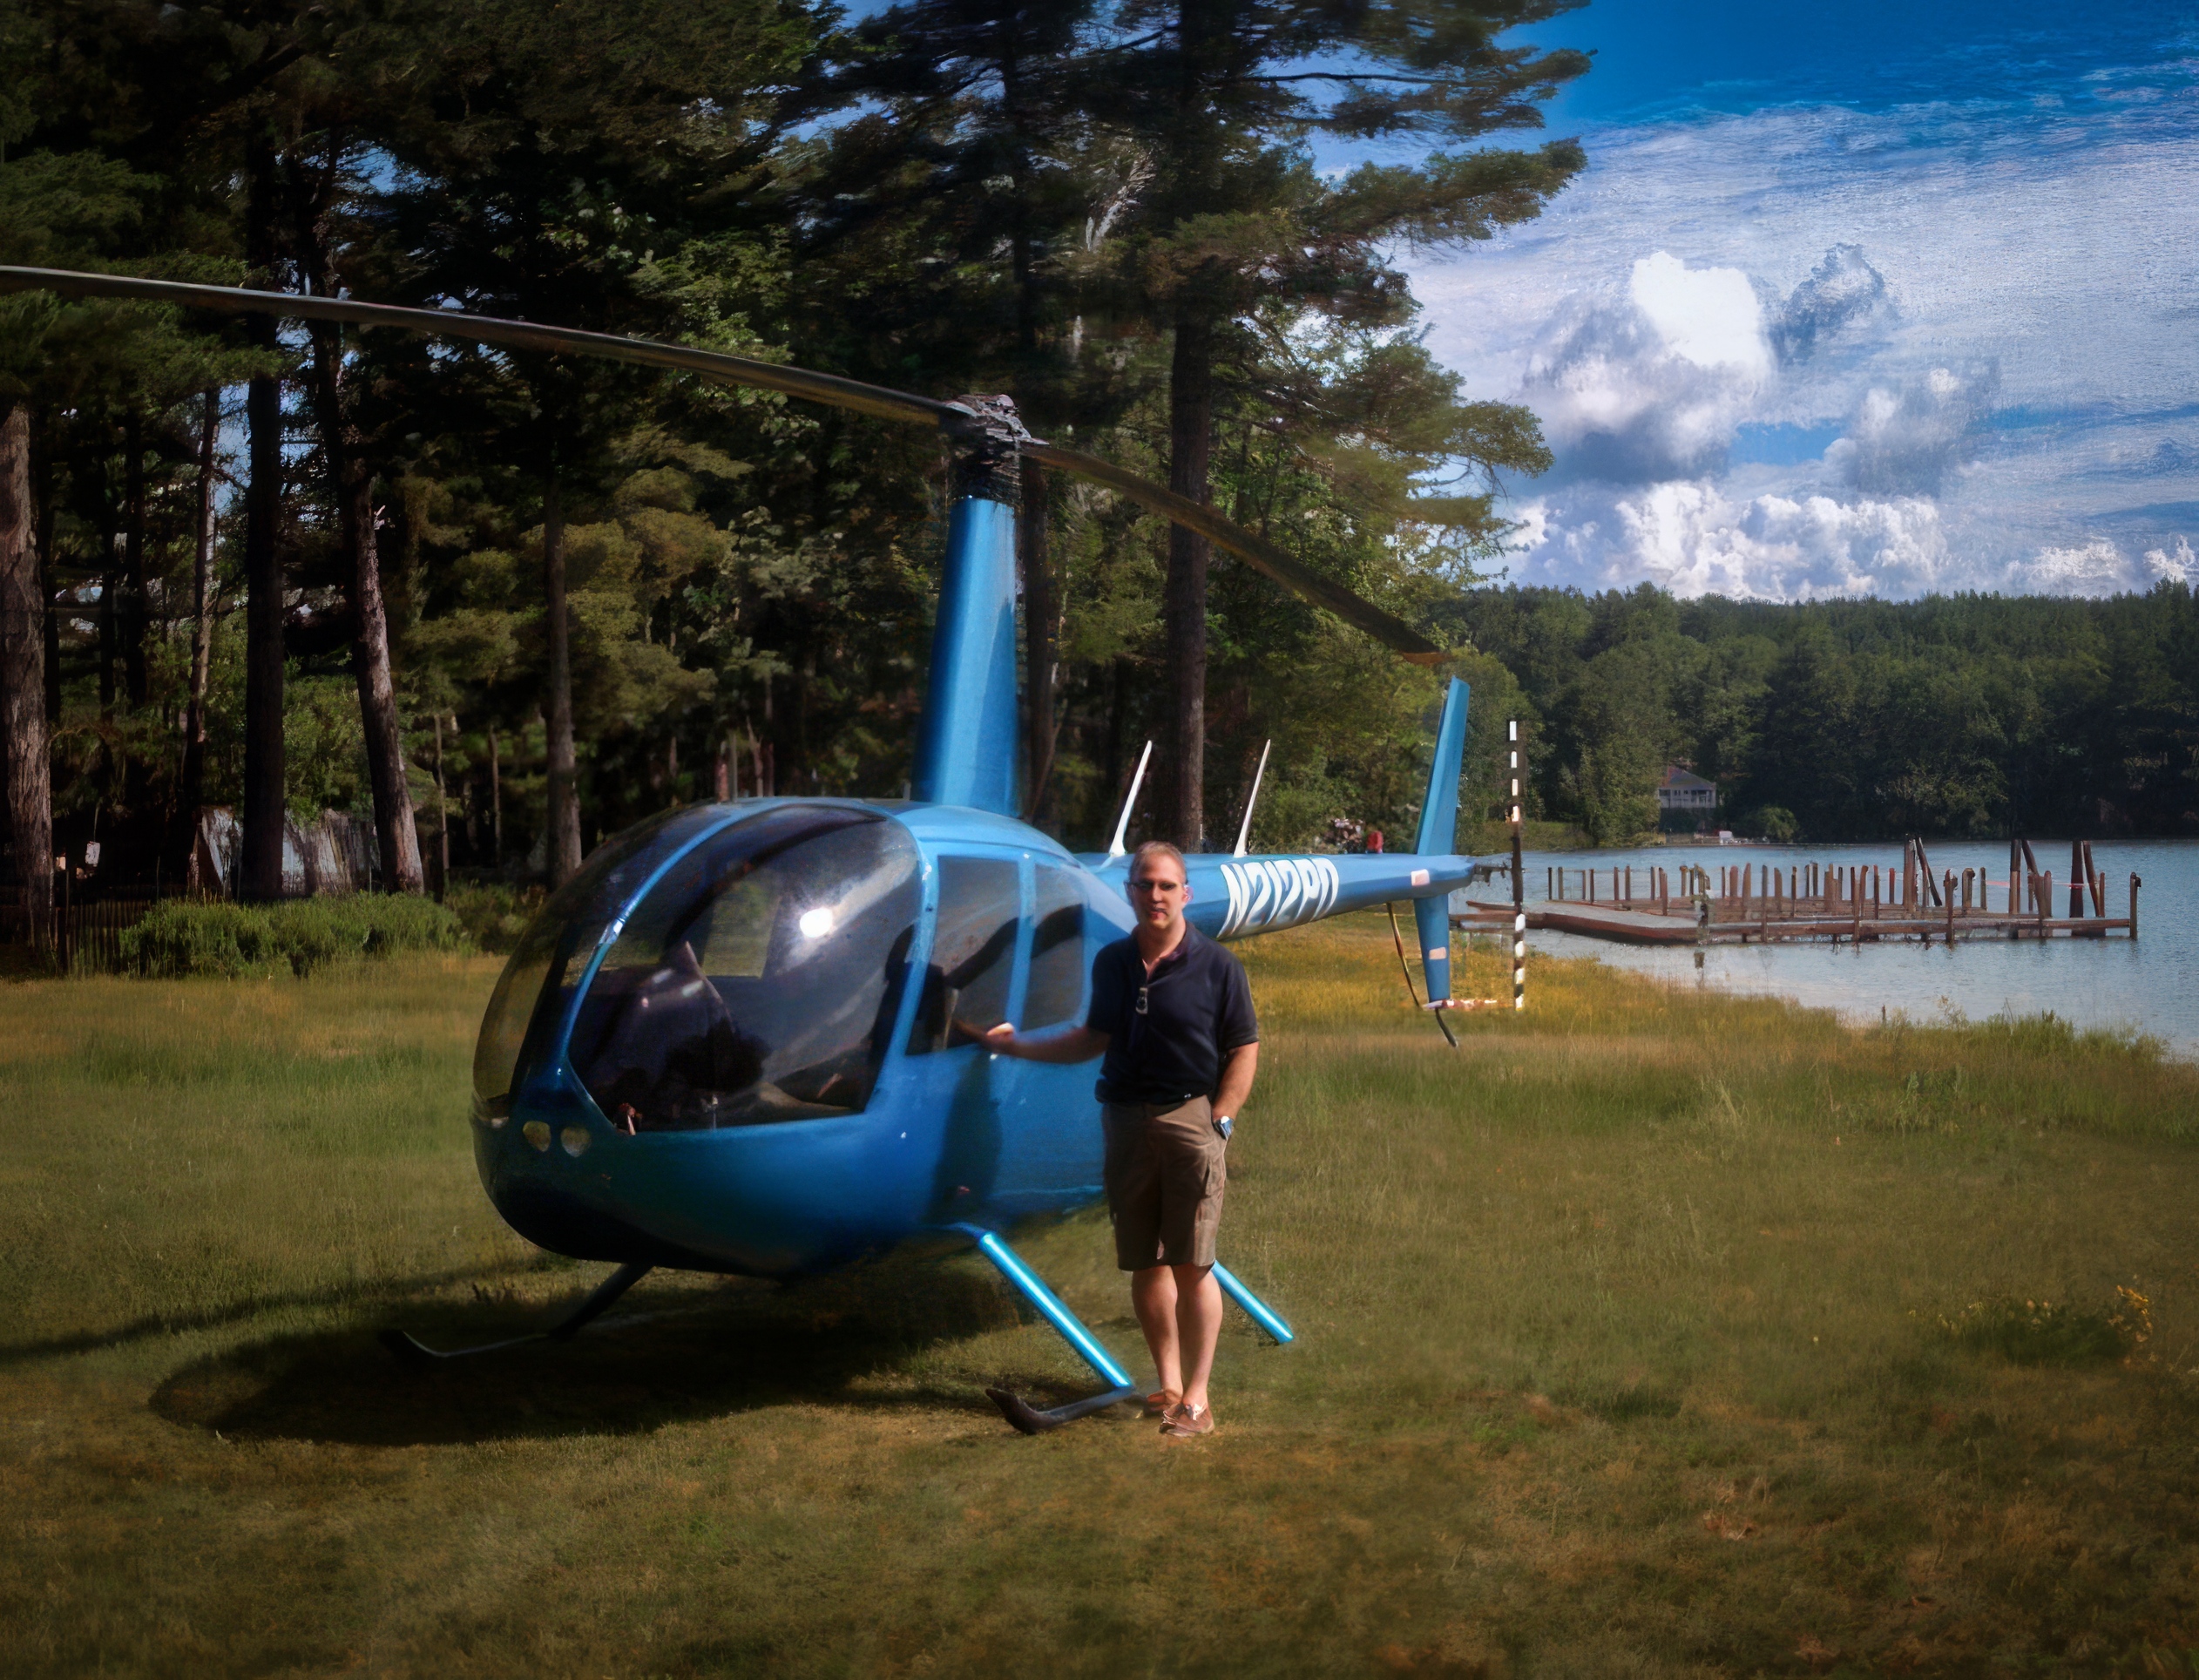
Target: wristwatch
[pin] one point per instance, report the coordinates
(1222, 1125)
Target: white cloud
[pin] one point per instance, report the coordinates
(2093, 568)
(1708, 316)
(1843, 291)
(1650, 385)
(2179, 565)
(1691, 539)
(1906, 439)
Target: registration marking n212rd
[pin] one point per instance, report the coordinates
(1278, 892)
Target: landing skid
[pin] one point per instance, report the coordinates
(1031, 1419)
(1020, 1413)
(414, 1351)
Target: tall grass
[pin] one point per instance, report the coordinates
(1651, 1333)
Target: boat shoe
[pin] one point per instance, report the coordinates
(1186, 1422)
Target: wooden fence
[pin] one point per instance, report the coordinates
(78, 938)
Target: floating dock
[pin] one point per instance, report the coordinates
(1762, 904)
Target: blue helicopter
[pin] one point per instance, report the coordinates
(745, 1038)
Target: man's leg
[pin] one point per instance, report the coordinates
(1153, 1292)
(1198, 1326)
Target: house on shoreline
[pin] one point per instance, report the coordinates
(1685, 800)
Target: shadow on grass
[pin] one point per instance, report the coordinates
(384, 1296)
(700, 1349)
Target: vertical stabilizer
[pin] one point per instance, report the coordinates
(1438, 836)
(1439, 811)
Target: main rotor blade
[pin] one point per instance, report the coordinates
(1261, 555)
(488, 329)
(824, 388)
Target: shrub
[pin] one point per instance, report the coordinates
(2047, 1333)
(181, 937)
(1776, 823)
(495, 913)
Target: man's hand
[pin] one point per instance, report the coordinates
(1055, 1043)
(1237, 1069)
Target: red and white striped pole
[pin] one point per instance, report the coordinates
(1518, 878)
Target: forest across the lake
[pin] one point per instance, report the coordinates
(1964, 716)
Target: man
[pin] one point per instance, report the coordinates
(1172, 1012)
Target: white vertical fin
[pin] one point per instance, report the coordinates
(1244, 831)
(1115, 848)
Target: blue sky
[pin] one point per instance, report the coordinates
(1869, 299)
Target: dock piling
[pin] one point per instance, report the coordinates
(1822, 900)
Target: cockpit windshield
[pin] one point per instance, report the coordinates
(562, 937)
(759, 979)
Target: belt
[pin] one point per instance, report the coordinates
(1102, 1093)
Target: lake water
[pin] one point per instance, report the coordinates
(2150, 984)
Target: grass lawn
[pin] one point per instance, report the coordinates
(1650, 1333)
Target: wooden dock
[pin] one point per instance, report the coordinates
(1761, 904)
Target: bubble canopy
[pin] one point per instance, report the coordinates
(738, 976)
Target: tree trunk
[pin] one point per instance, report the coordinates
(110, 588)
(496, 801)
(1038, 633)
(565, 796)
(397, 837)
(1111, 775)
(41, 471)
(260, 870)
(442, 819)
(1184, 603)
(22, 679)
(194, 716)
(134, 598)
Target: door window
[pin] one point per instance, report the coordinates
(973, 953)
(1058, 962)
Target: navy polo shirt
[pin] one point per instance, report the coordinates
(1198, 1009)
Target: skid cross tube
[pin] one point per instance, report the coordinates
(416, 1351)
(1020, 1413)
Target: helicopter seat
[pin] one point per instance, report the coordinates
(673, 1044)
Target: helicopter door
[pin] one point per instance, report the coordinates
(1051, 1144)
(969, 985)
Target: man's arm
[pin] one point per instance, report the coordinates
(1059, 1044)
(1237, 1069)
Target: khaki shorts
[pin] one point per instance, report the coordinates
(1165, 1176)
